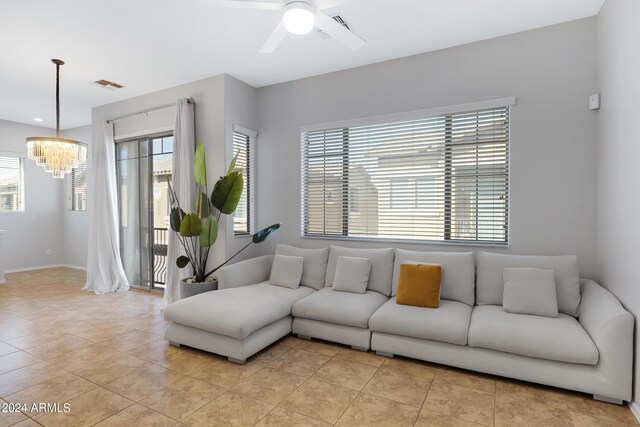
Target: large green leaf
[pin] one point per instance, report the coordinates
(175, 219)
(262, 235)
(205, 208)
(226, 193)
(199, 166)
(182, 261)
(209, 232)
(190, 226)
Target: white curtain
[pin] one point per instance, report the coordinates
(184, 187)
(104, 268)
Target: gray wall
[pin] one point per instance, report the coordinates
(618, 154)
(551, 71)
(31, 233)
(75, 224)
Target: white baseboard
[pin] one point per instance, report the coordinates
(635, 409)
(43, 267)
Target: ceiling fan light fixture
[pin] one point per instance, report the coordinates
(298, 17)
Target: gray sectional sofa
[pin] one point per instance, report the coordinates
(588, 347)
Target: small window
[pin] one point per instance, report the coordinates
(243, 142)
(11, 184)
(78, 188)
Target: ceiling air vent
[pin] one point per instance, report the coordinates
(106, 84)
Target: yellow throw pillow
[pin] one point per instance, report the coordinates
(419, 285)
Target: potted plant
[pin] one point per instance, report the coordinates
(197, 231)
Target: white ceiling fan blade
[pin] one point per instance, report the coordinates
(338, 32)
(275, 38)
(248, 4)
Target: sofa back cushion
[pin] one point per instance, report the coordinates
(314, 266)
(490, 287)
(458, 272)
(381, 266)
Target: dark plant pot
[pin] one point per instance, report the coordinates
(190, 289)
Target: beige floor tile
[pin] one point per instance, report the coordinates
(62, 345)
(399, 386)
(153, 351)
(417, 368)
(229, 410)
(185, 361)
(320, 347)
(269, 385)
(108, 370)
(345, 373)
(434, 419)
(34, 339)
(57, 390)
(143, 382)
(515, 412)
(137, 415)
(26, 377)
(83, 357)
(584, 420)
(291, 341)
(129, 340)
(16, 360)
(466, 379)
(270, 354)
(182, 398)
(27, 423)
(584, 404)
(374, 411)
(86, 410)
(366, 357)
(7, 349)
(322, 401)
(461, 402)
(226, 374)
(300, 362)
(281, 417)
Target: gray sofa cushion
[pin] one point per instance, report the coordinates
(342, 308)
(314, 266)
(236, 312)
(458, 272)
(490, 289)
(559, 338)
(448, 323)
(381, 266)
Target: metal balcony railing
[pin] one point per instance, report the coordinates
(160, 240)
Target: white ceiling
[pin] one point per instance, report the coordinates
(148, 45)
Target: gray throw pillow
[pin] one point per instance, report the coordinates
(530, 291)
(286, 271)
(352, 274)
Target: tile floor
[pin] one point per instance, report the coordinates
(105, 357)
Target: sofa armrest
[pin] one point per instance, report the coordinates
(243, 273)
(611, 328)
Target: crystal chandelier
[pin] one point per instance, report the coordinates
(58, 156)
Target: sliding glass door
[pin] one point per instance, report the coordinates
(143, 166)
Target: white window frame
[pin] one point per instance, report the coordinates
(21, 185)
(416, 114)
(252, 134)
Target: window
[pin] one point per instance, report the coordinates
(11, 184)
(439, 178)
(78, 188)
(243, 142)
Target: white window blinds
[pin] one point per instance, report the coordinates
(242, 217)
(11, 184)
(443, 178)
(78, 188)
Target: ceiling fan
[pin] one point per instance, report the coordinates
(298, 17)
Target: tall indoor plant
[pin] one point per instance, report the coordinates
(197, 231)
